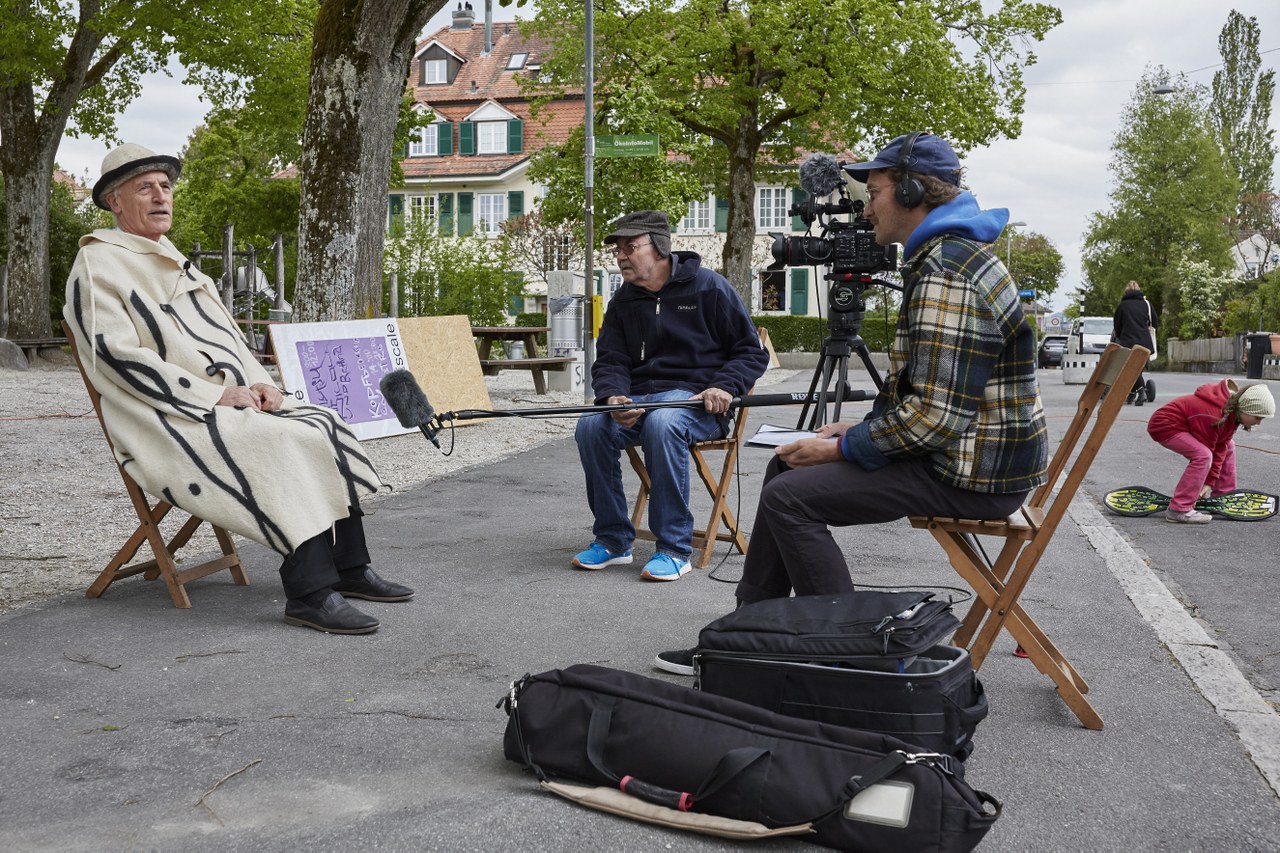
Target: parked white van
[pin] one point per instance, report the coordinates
(1089, 335)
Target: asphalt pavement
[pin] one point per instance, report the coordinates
(133, 725)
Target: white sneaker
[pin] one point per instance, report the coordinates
(1191, 516)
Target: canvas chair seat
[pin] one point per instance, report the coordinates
(163, 564)
(717, 483)
(998, 584)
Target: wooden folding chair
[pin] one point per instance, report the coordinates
(998, 584)
(149, 518)
(705, 538)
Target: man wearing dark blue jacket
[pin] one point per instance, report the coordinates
(673, 331)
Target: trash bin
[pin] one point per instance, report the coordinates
(565, 336)
(1259, 348)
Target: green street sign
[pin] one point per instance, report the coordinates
(631, 145)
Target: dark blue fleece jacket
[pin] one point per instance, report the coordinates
(693, 334)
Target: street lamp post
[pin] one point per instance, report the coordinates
(1008, 252)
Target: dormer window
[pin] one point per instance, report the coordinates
(435, 71)
(517, 61)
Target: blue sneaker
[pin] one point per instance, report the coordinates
(598, 556)
(664, 567)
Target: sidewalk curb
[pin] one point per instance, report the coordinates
(1210, 669)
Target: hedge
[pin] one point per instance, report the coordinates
(787, 332)
(800, 333)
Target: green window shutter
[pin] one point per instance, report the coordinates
(467, 138)
(722, 214)
(799, 291)
(515, 204)
(798, 197)
(515, 136)
(444, 140)
(395, 214)
(446, 214)
(465, 217)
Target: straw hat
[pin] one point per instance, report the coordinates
(127, 161)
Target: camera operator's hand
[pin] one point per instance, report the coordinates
(714, 400)
(626, 418)
(809, 451)
(834, 430)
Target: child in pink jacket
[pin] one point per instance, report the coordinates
(1201, 427)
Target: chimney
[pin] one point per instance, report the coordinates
(488, 27)
(463, 17)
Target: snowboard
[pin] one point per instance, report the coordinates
(1240, 505)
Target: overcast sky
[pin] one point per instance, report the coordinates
(1052, 177)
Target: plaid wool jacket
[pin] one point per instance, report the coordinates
(962, 387)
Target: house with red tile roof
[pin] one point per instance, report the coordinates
(466, 169)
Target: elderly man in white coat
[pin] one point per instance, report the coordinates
(197, 421)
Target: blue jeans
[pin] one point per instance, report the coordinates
(665, 436)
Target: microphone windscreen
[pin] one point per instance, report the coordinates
(820, 175)
(401, 391)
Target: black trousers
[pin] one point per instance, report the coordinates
(316, 563)
(792, 549)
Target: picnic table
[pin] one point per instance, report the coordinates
(487, 336)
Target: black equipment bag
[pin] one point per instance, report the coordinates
(933, 703)
(691, 750)
(867, 659)
(893, 625)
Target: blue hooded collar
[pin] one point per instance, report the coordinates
(960, 217)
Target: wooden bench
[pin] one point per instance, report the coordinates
(31, 346)
(487, 336)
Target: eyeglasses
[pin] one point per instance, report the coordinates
(629, 248)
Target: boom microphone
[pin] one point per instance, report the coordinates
(820, 175)
(406, 399)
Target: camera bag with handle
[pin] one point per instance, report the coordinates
(868, 659)
(691, 752)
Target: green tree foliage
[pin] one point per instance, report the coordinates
(74, 67)
(738, 89)
(1171, 198)
(440, 275)
(1202, 290)
(1036, 263)
(1240, 109)
(227, 172)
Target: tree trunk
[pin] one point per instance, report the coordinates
(26, 190)
(30, 144)
(359, 65)
(740, 233)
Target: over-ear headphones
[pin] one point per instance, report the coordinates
(908, 192)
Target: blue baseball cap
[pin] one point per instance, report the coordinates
(930, 155)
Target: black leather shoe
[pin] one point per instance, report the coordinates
(333, 615)
(365, 583)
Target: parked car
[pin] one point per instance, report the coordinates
(1051, 349)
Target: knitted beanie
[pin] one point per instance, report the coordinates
(1256, 400)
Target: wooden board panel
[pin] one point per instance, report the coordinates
(441, 352)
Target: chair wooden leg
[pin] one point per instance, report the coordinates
(642, 496)
(229, 550)
(988, 588)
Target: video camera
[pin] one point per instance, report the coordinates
(845, 246)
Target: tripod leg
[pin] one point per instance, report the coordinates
(813, 383)
(842, 384)
(819, 418)
(865, 355)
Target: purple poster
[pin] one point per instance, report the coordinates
(343, 375)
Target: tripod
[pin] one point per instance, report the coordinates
(846, 310)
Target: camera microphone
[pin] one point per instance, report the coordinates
(820, 175)
(406, 399)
